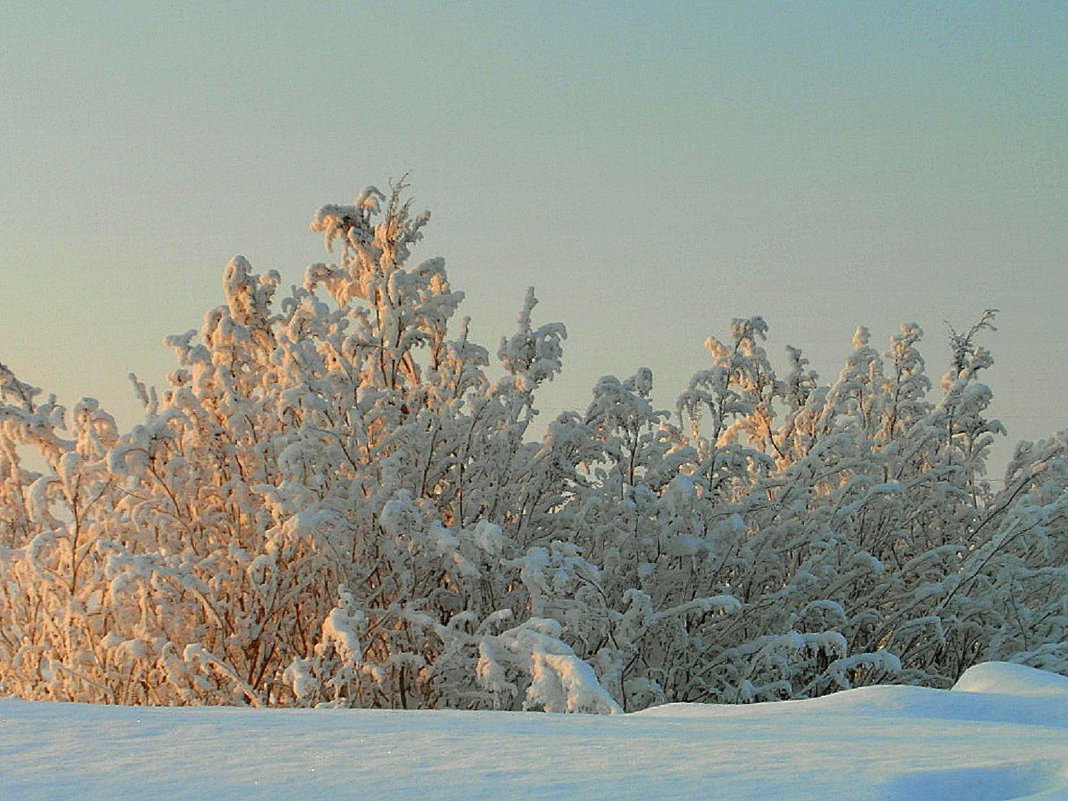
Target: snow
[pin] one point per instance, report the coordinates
(1000, 734)
(1009, 679)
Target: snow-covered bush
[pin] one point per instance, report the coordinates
(337, 500)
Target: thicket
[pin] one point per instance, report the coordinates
(333, 501)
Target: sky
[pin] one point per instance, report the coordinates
(653, 170)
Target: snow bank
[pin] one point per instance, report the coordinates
(1008, 679)
(987, 740)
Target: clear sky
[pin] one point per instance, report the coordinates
(653, 169)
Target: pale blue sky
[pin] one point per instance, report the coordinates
(652, 170)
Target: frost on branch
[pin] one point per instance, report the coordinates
(532, 355)
(332, 502)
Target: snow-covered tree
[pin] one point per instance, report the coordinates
(336, 499)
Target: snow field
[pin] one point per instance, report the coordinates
(1000, 734)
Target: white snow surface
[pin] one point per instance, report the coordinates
(1001, 733)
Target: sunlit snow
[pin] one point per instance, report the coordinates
(1001, 733)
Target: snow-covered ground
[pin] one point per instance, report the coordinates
(1001, 733)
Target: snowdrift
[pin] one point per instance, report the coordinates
(1001, 733)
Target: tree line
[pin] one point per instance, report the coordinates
(336, 500)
